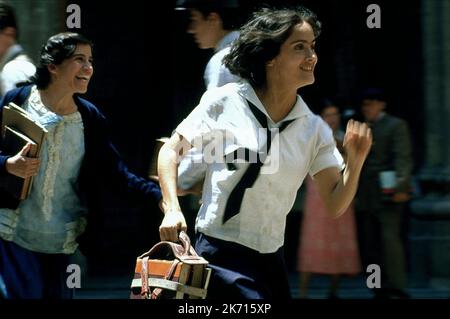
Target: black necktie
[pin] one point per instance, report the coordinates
(234, 202)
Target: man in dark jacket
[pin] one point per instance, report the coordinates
(383, 194)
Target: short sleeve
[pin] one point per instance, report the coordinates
(198, 126)
(327, 154)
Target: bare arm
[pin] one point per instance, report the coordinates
(168, 160)
(337, 191)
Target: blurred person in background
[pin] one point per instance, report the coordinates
(15, 66)
(213, 25)
(383, 193)
(328, 246)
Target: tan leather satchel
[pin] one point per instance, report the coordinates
(171, 271)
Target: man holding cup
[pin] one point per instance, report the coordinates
(384, 190)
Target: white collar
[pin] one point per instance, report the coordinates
(300, 108)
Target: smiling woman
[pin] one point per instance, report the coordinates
(38, 234)
(78, 68)
(66, 73)
(241, 223)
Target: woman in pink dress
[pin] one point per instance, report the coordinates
(328, 245)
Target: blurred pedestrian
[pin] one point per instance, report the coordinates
(214, 25)
(328, 246)
(383, 193)
(15, 66)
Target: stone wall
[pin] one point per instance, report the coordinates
(430, 211)
(37, 21)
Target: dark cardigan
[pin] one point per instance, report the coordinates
(101, 160)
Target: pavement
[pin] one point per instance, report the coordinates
(116, 286)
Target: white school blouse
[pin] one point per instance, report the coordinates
(222, 123)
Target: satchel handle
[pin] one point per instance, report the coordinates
(185, 250)
(189, 252)
(185, 241)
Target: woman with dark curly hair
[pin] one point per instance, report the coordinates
(38, 234)
(260, 141)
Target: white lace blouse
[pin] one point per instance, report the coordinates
(51, 218)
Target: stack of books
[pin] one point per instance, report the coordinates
(19, 128)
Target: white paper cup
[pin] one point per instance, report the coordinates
(388, 181)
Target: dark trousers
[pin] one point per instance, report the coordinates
(26, 274)
(382, 243)
(243, 273)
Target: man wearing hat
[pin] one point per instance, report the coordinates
(384, 189)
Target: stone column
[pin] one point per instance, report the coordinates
(344, 58)
(37, 21)
(436, 67)
(445, 85)
(430, 225)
